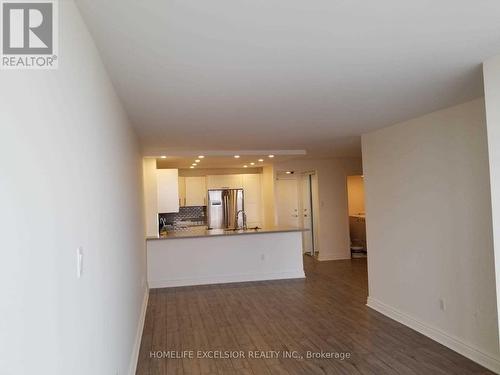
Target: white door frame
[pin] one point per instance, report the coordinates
(313, 203)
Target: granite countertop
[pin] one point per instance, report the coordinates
(196, 232)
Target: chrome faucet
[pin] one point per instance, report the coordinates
(244, 219)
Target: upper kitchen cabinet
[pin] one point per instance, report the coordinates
(168, 190)
(253, 199)
(196, 191)
(225, 181)
(182, 191)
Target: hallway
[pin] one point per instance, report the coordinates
(325, 312)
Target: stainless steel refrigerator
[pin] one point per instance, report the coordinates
(223, 207)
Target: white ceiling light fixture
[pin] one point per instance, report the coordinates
(201, 157)
(191, 167)
(197, 161)
(261, 160)
(245, 166)
(163, 157)
(236, 156)
(271, 156)
(252, 163)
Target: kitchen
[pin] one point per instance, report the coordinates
(210, 219)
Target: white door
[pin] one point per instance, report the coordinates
(307, 214)
(287, 202)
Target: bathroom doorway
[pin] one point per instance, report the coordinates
(357, 216)
(308, 211)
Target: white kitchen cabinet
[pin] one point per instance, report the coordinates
(196, 191)
(231, 181)
(182, 191)
(252, 187)
(253, 199)
(167, 181)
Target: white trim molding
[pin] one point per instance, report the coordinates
(454, 343)
(138, 336)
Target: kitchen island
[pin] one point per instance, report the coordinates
(199, 256)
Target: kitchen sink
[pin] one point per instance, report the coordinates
(241, 229)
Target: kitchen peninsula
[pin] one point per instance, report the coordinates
(200, 256)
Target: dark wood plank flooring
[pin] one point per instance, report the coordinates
(325, 312)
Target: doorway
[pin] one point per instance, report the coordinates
(297, 206)
(357, 217)
(308, 212)
(287, 201)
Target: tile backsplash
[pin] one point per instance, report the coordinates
(187, 216)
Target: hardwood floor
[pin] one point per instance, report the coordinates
(325, 312)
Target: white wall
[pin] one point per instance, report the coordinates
(333, 236)
(491, 71)
(70, 176)
(429, 228)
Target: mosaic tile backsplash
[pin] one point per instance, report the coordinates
(187, 216)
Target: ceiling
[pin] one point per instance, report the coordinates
(288, 74)
(222, 161)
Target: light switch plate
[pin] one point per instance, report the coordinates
(79, 262)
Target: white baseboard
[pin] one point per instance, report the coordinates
(334, 256)
(454, 343)
(138, 336)
(226, 279)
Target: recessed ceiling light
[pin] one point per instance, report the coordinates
(245, 166)
(201, 157)
(288, 172)
(194, 164)
(163, 157)
(271, 156)
(236, 156)
(261, 160)
(197, 161)
(191, 167)
(252, 163)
